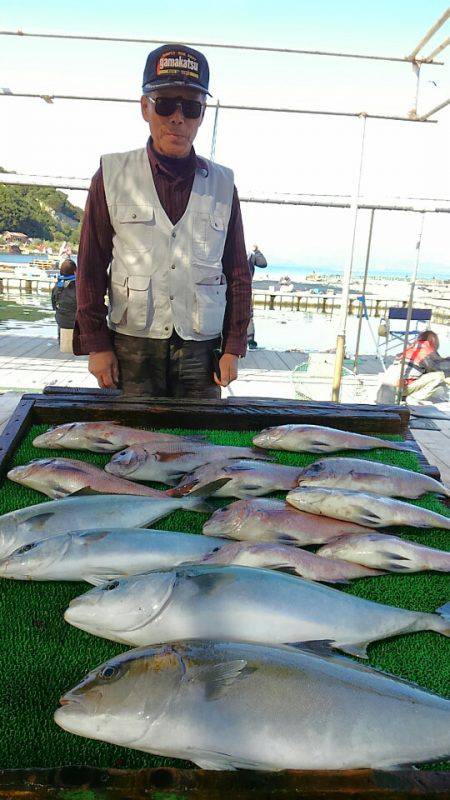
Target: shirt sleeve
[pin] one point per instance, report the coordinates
(239, 285)
(91, 332)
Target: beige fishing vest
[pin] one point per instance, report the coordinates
(165, 276)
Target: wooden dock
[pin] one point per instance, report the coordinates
(29, 363)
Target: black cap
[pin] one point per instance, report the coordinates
(175, 65)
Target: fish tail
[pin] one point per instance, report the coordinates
(440, 622)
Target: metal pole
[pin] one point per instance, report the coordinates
(214, 133)
(363, 292)
(424, 117)
(416, 70)
(430, 33)
(340, 340)
(439, 49)
(49, 98)
(257, 48)
(410, 308)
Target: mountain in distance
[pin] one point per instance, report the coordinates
(41, 212)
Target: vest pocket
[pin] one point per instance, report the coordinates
(134, 226)
(208, 239)
(209, 308)
(130, 294)
(118, 296)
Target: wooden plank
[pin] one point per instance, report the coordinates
(167, 783)
(13, 433)
(233, 413)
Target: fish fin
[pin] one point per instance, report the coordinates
(259, 453)
(219, 678)
(97, 580)
(196, 504)
(444, 612)
(202, 491)
(209, 582)
(85, 490)
(99, 440)
(358, 649)
(162, 456)
(41, 519)
(206, 759)
(323, 648)
(316, 647)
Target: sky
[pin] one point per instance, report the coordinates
(271, 153)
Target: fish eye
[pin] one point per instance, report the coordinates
(215, 549)
(110, 586)
(26, 548)
(108, 673)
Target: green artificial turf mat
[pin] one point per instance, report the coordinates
(42, 656)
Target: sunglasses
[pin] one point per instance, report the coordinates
(166, 106)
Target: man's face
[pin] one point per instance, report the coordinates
(172, 136)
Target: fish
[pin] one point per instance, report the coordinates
(265, 520)
(18, 528)
(242, 478)
(279, 556)
(102, 554)
(229, 705)
(364, 508)
(319, 439)
(168, 463)
(380, 551)
(362, 475)
(59, 477)
(104, 437)
(240, 604)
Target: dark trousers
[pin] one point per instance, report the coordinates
(166, 367)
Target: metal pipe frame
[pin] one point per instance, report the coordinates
(340, 342)
(363, 291)
(261, 49)
(438, 50)
(424, 117)
(410, 309)
(429, 34)
(57, 184)
(49, 98)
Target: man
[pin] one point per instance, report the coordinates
(169, 225)
(255, 259)
(64, 304)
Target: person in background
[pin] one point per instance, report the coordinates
(64, 304)
(422, 357)
(255, 259)
(167, 224)
(425, 370)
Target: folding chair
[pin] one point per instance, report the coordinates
(394, 337)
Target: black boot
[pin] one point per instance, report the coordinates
(252, 345)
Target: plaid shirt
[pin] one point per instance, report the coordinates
(173, 183)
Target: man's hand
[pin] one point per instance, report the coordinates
(105, 367)
(228, 369)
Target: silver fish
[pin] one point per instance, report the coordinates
(280, 556)
(59, 477)
(319, 439)
(226, 705)
(104, 437)
(265, 520)
(364, 508)
(103, 554)
(168, 463)
(240, 604)
(381, 551)
(80, 513)
(242, 478)
(362, 475)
